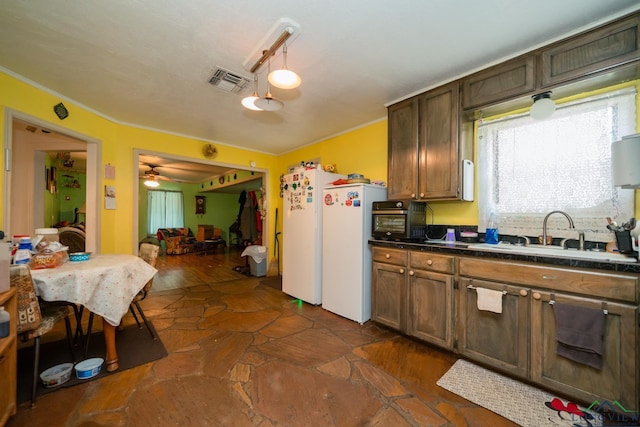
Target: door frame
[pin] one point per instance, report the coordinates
(94, 150)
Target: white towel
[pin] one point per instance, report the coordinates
(489, 300)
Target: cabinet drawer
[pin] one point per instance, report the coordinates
(389, 256)
(430, 261)
(618, 286)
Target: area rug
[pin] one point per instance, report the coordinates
(516, 401)
(135, 347)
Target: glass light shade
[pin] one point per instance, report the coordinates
(151, 182)
(249, 102)
(542, 108)
(268, 103)
(284, 79)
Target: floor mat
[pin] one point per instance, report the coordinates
(516, 401)
(135, 347)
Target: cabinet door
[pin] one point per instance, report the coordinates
(619, 376)
(499, 340)
(431, 307)
(403, 150)
(388, 295)
(502, 82)
(612, 45)
(438, 149)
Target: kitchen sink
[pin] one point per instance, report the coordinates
(552, 251)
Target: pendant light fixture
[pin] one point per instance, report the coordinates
(249, 101)
(543, 106)
(284, 78)
(268, 102)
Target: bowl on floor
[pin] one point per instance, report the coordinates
(56, 375)
(89, 368)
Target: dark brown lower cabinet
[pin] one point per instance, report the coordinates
(619, 377)
(433, 297)
(431, 307)
(500, 340)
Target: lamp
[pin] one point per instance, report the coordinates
(150, 177)
(268, 102)
(284, 78)
(543, 106)
(151, 181)
(249, 101)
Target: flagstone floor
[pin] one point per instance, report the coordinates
(245, 354)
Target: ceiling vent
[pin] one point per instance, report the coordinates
(227, 81)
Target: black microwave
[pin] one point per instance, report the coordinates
(403, 220)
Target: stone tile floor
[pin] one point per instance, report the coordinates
(245, 354)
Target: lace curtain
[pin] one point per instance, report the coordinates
(528, 168)
(165, 210)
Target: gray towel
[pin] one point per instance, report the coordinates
(579, 333)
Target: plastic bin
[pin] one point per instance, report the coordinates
(257, 260)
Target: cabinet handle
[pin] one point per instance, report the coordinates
(536, 296)
(429, 262)
(422, 195)
(523, 293)
(387, 256)
(413, 195)
(411, 273)
(546, 277)
(401, 271)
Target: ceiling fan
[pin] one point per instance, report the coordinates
(151, 176)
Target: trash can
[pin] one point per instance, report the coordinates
(257, 260)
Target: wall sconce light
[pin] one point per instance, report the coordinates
(543, 106)
(284, 78)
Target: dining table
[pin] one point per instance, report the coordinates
(105, 284)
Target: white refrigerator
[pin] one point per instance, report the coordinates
(346, 254)
(302, 233)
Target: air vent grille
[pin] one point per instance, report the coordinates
(227, 81)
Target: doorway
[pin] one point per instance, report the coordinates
(27, 140)
(193, 171)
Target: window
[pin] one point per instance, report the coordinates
(529, 168)
(166, 210)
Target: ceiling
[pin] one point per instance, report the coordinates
(148, 62)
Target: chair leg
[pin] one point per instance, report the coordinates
(67, 324)
(133, 312)
(144, 318)
(89, 326)
(78, 334)
(36, 364)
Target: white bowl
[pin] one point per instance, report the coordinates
(56, 375)
(89, 368)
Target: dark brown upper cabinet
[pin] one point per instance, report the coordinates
(611, 45)
(505, 81)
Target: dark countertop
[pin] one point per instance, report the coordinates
(563, 258)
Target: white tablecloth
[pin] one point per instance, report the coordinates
(105, 284)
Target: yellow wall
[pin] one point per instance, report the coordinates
(363, 151)
(118, 142)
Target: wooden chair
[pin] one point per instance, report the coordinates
(35, 321)
(149, 253)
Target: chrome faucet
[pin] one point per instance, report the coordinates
(544, 225)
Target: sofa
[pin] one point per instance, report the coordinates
(177, 240)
